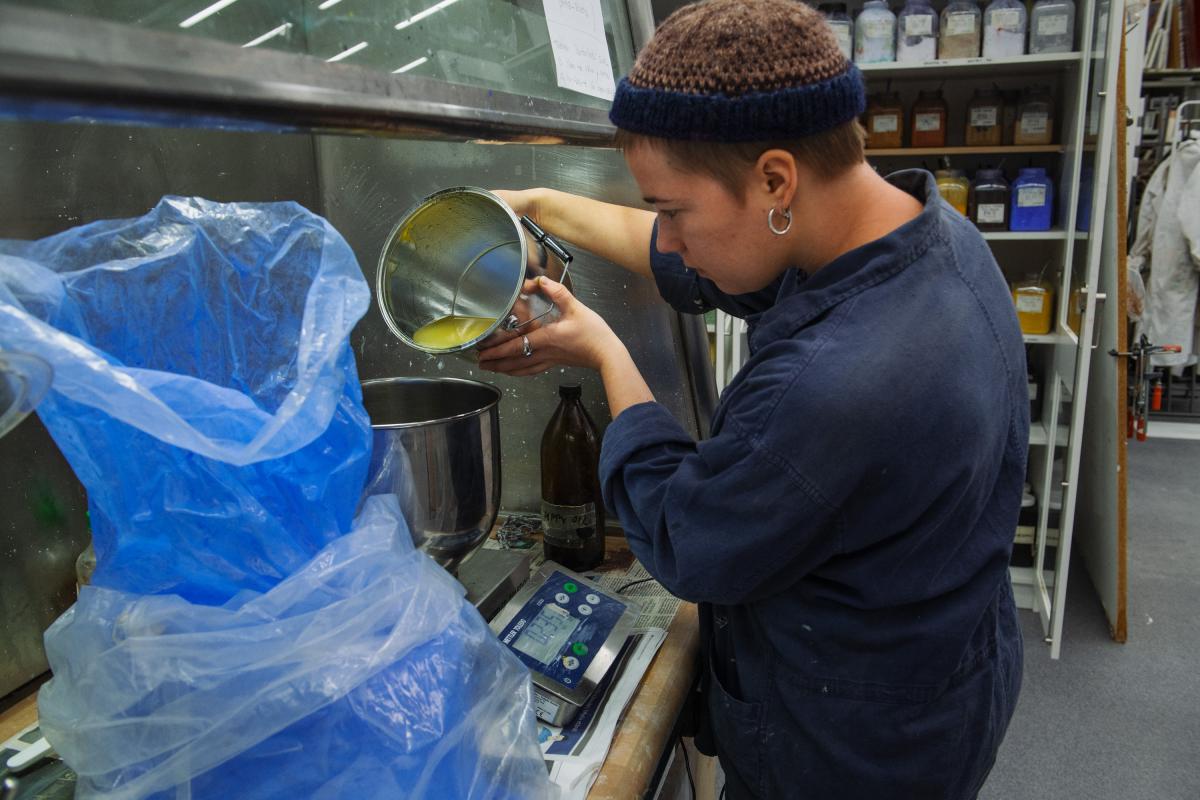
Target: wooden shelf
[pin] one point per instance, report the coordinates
(1017, 149)
(972, 67)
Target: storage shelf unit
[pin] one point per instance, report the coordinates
(1081, 82)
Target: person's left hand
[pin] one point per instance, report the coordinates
(579, 338)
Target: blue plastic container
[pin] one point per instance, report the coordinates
(1032, 200)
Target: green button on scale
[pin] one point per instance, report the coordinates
(579, 649)
(570, 588)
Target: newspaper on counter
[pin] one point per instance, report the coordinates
(575, 753)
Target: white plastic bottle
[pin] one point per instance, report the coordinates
(1004, 24)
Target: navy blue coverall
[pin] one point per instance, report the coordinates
(847, 527)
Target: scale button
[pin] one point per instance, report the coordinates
(585, 610)
(579, 649)
(571, 662)
(562, 597)
(594, 599)
(570, 587)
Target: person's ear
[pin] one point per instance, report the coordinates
(776, 178)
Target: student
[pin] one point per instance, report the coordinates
(847, 527)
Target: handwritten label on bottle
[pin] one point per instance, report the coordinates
(885, 123)
(984, 117)
(566, 526)
(1034, 122)
(1031, 301)
(918, 25)
(1031, 196)
(960, 23)
(1052, 25)
(877, 29)
(1006, 19)
(989, 212)
(928, 122)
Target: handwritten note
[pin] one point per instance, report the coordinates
(580, 49)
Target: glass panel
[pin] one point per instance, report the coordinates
(492, 44)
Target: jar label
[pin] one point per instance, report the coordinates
(959, 23)
(842, 32)
(928, 122)
(1034, 122)
(989, 212)
(984, 117)
(1031, 196)
(918, 25)
(878, 28)
(566, 526)
(1029, 302)
(1006, 19)
(1052, 25)
(885, 123)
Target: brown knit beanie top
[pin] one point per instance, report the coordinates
(739, 70)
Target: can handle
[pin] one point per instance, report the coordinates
(512, 323)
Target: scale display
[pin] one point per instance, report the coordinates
(568, 632)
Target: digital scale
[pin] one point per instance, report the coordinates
(568, 631)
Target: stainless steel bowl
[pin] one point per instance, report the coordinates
(437, 446)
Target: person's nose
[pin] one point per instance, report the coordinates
(668, 240)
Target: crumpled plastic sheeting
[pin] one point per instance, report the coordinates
(205, 392)
(289, 693)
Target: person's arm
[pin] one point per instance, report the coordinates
(615, 233)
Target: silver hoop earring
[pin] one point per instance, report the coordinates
(787, 218)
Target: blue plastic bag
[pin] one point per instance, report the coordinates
(244, 634)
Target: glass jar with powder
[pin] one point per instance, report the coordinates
(1004, 23)
(875, 34)
(885, 121)
(929, 120)
(985, 119)
(843, 27)
(961, 27)
(916, 32)
(1035, 118)
(1052, 27)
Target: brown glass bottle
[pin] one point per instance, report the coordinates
(572, 509)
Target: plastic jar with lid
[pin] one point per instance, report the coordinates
(1004, 23)
(875, 34)
(1035, 117)
(961, 29)
(929, 120)
(989, 200)
(985, 119)
(843, 27)
(954, 188)
(1034, 298)
(916, 32)
(1052, 27)
(885, 121)
(1032, 201)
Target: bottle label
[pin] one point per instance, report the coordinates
(960, 23)
(928, 122)
(1006, 19)
(989, 212)
(842, 32)
(567, 526)
(1030, 303)
(984, 117)
(885, 123)
(1052, 25)
(1031, 196)
(1035, 122)
(918, 25)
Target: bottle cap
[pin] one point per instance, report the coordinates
(570, 391)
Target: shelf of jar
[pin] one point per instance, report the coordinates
(1012, 149)
(1046, 338)
(994, 67)
(1039, 438)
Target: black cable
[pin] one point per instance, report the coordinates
(687, 765)
(634, 583)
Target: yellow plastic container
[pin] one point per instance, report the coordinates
(954, 187)
(1035, 305)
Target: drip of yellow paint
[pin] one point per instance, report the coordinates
(452, 331)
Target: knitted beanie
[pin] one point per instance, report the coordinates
(739, 71)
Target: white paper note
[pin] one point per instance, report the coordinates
(580, 49)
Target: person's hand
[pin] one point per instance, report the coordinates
(580, 338)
